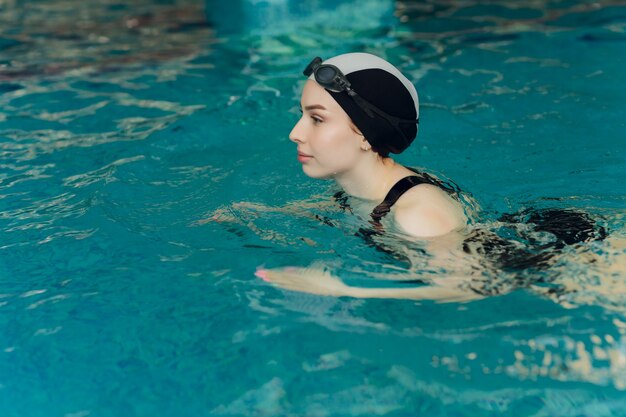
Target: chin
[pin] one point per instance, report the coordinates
(317, 173)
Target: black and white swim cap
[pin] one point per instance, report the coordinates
(384, 86)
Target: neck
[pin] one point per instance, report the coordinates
(371, 179)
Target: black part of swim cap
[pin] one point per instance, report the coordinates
(386, 92)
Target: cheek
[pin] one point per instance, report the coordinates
(334, 142)
(336, 150)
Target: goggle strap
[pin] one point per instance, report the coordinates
(369, 108)
(392, 120)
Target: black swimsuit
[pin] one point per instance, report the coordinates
(368, 234)
(568, 226)
(398, 189)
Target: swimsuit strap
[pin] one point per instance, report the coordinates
(399, 188)
(396, 192)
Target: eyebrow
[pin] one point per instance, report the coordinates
(315, 107)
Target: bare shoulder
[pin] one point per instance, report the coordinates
(428, 211)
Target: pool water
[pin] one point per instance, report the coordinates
(146, 173)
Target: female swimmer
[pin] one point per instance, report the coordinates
(357, 109)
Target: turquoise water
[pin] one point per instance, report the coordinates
(144, 172)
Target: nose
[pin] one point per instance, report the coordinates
(297, 133)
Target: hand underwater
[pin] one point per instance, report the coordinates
(313, 280)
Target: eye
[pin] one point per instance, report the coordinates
(316, 120)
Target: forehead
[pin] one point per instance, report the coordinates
(313, 93)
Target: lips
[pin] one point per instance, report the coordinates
(304, 154)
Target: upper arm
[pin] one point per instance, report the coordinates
(426, 211)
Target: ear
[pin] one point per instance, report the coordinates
(366, 145)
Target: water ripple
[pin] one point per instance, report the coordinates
(143, 159)
(104, 173)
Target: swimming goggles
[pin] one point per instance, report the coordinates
(331, 78)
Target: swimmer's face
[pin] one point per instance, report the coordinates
(326, 133)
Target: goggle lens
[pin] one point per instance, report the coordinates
(325, 75)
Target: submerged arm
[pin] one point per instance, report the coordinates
(318, 281)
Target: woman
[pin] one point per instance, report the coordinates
(357, 108)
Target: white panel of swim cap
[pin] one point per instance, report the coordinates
(357, 61)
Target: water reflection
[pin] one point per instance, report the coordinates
(60, 37)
